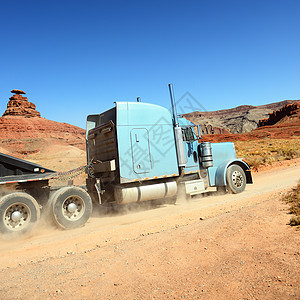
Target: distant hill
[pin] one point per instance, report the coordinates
(22, 136)
(240, 119)
(283, 123)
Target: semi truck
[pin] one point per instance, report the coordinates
(136, 152)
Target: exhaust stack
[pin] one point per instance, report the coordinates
(177, 131)
(173, 105)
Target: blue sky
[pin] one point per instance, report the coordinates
(75, 58)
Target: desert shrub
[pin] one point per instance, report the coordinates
(254, 161)
(295, 221)
(293, 200)
(289, 153)
(266, 151)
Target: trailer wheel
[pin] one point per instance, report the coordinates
(71, 207)
(236, 179)
(19, 212)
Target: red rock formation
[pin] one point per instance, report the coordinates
(23, 131)
(19, 106)
(290, 113)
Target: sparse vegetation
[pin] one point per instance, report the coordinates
(293, 199)
(267, 151)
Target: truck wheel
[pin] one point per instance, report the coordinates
(71, 207)
(236, 179)
(19, 212)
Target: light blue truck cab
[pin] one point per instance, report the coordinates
(138, 152)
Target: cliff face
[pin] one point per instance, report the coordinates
(289, 113)
(240, 119)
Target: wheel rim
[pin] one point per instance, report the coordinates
(73, 208)
(17, 216)
(237, 179)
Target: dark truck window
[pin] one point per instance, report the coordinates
(188, 134)
(97, 120)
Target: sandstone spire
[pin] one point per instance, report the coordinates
(19, 106)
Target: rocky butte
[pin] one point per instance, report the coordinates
(19, 106)
(23, 131)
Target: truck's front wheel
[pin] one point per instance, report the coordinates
(71, 207)
(19, 212)
(236, 179)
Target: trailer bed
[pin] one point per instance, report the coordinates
(16, 170)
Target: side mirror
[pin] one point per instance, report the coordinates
(197, 132)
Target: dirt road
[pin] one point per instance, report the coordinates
(215, 247)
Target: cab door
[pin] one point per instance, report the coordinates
(140, 146)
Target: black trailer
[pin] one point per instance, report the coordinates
(25, 193)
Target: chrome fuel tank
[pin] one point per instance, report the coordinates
(145, 192)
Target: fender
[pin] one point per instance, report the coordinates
(221, 171)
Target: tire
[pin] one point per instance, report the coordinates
(71, 207)
(19, 212)
(236, 179)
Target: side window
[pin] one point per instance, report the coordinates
(187, 134)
